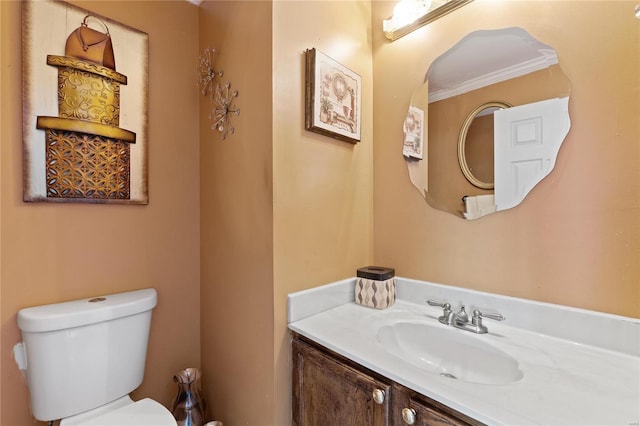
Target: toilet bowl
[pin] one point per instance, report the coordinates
(82, 359)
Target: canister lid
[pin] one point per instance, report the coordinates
(378, 273)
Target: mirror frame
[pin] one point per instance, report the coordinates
(462, 158)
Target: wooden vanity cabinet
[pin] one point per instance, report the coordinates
(331, 390)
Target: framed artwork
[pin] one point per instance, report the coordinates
(413, 133)
(85, 106)
(333, 98)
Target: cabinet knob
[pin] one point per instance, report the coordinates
(378, 396)
(409, 415)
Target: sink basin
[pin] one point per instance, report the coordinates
(449, 352)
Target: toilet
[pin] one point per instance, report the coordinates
(83, 358)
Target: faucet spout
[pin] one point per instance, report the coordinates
(461, 317)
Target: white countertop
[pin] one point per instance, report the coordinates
(579, 367)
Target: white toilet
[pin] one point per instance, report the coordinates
(84, 357)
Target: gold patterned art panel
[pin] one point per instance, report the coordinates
(81, 165)
(85, 106)
(84, 97)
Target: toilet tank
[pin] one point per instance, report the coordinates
(85, 353)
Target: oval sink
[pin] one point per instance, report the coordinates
(450, 352)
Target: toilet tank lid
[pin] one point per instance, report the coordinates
(76, 313)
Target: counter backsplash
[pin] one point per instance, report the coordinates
(612, 332)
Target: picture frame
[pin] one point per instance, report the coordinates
(413, 129)
(333, 98)
(85, 115)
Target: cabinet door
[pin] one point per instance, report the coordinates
(411, 408)
(427, 416)
(329, 393)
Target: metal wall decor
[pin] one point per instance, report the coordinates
(221, 96)
(207, 73)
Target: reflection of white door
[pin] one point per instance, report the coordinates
(527, 141)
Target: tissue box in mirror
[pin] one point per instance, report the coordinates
(375, 287)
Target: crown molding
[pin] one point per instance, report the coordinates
(548, 58)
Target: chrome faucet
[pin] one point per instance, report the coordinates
(461, 318)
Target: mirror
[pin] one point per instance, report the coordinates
(475, 145)
(500, 76)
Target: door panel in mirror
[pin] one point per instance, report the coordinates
(527, 141)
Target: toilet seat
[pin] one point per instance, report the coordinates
(124, 412)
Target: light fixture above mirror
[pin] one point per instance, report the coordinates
(409, 15)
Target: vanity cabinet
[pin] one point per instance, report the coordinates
(327, 391)
(331, 390)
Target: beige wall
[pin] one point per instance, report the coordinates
(56, 252)
(321, 199)
(237, 219)
(282, 209)
(575, 239)
(323, 188)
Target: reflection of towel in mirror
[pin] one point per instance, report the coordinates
(478, 205)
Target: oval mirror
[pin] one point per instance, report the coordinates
(475, 145)
(487, 65)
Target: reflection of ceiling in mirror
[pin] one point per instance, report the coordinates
(496, 55)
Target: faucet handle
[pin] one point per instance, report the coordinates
(477, 320)
(477, 317)
(447, 313)
(444, 305)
